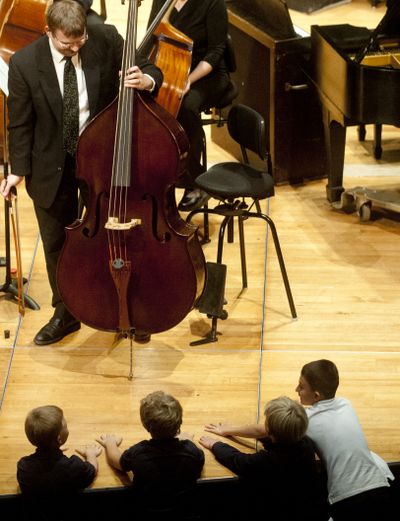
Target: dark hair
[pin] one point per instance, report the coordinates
(43, 426)
(68, 16)
(161, 415)
(322, 376)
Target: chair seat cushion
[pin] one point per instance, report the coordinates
(230, 180)
(227, 96)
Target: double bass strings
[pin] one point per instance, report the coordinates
(121, 172)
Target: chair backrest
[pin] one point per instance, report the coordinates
(229, 54)
(247, 127)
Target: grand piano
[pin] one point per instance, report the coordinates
(271, 63)
(357, 74)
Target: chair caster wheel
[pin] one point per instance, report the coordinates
(364, 212)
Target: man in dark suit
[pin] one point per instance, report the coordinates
(37, 145)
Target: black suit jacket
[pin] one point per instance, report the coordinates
(35, 105)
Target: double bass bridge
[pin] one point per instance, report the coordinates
(114, 224)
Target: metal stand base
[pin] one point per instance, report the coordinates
(212, 301)
(9, 286)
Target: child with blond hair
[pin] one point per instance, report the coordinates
(283, 473)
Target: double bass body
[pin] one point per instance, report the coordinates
(164, 260)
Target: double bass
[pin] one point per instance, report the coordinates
(21, 23)
(171, 50)
(131, 265)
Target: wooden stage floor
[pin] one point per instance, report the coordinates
(345, 278)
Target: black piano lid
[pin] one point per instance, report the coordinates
(352, 39)
(345, 37)
(271, 16)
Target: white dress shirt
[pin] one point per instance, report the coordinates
(59, 64)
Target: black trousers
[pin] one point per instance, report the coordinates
(203, 95)
(372, 505)
(52, 222)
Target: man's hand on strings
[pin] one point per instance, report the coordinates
(135, 79)
(8, 183)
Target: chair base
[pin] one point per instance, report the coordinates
(210, 337)
(229, 211)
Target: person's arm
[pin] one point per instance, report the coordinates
(203, 69)
(90, 453)
(217, 30)
(110, 442)
(7, 183)
(207, 442)
(256, 431)
(238, 462)
(20, 125)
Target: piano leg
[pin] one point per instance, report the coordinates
(335, 140)
(378, 140)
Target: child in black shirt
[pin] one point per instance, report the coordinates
(166, 467)
(284, 474)
(47, 478)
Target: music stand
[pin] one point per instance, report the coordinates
(10, 287)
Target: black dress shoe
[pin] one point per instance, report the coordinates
(193, 200)
(55, 330)
(188, 197)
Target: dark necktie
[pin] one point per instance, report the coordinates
(71, 108)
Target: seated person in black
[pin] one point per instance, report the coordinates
(284, 474)
(166, 467)
(206, 23)
(92, 16)
(48, 479)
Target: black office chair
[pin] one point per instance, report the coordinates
(232, 183)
